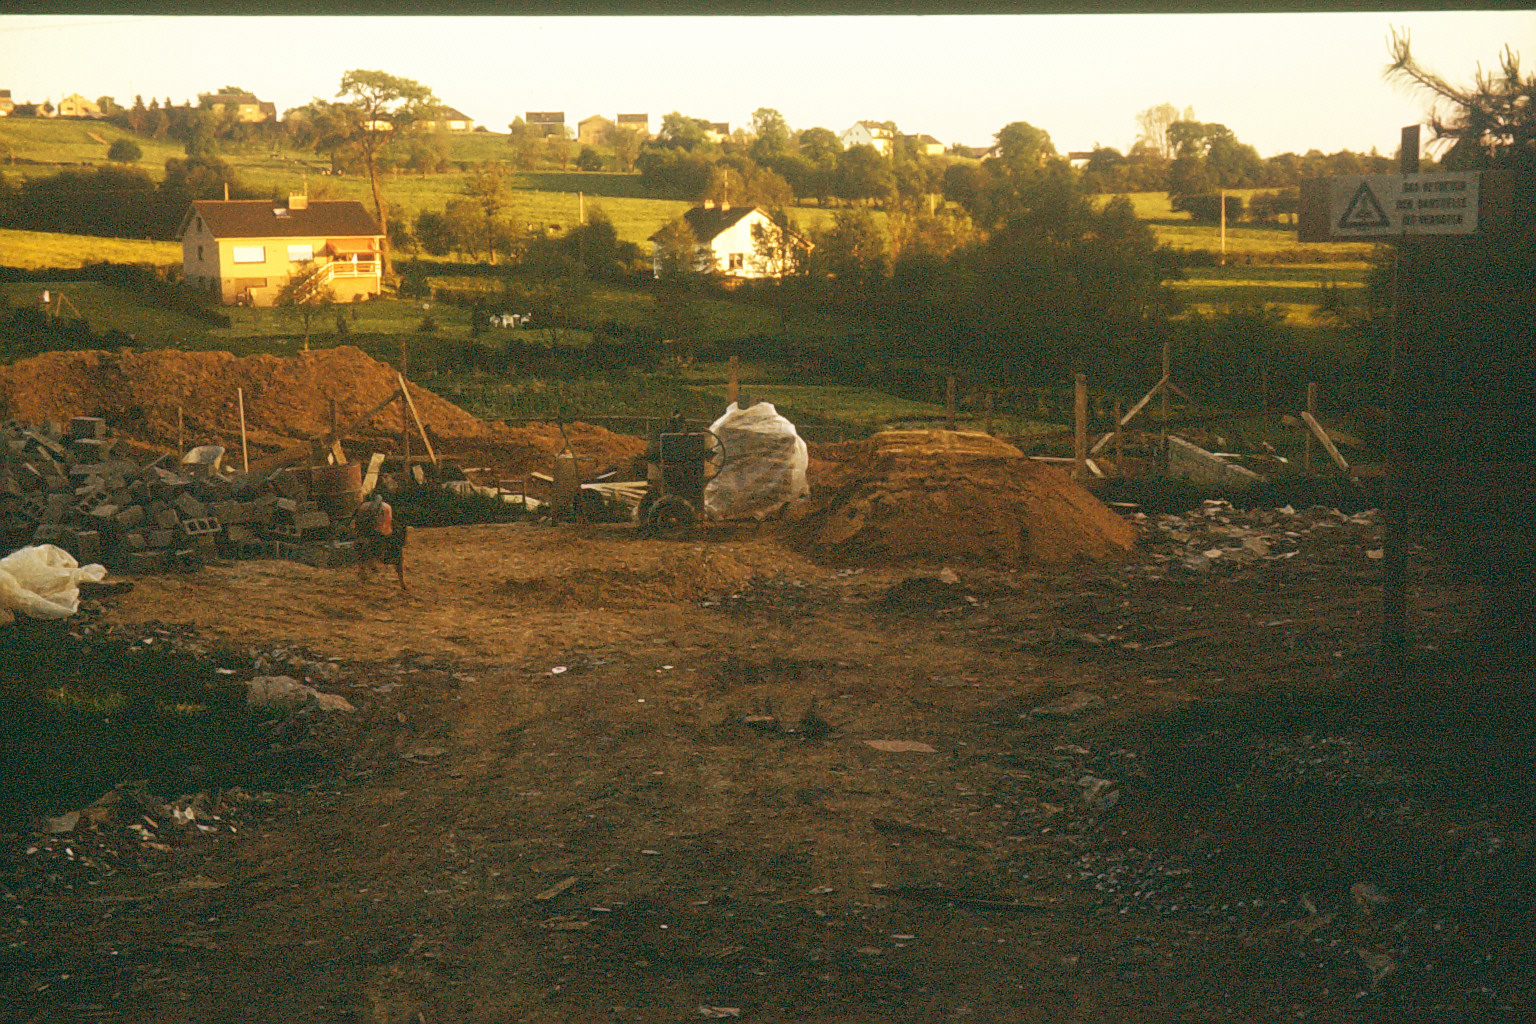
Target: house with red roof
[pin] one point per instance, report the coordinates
(246, 250)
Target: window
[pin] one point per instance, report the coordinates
(199, 254)
(249, 254)
(301, 253)
(735, 261)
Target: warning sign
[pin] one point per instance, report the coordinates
(1381, 205)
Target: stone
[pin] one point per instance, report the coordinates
(1069, 706)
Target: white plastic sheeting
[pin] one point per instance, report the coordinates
(42, 582)
(765, 462)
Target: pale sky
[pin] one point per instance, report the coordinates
(1281, 82)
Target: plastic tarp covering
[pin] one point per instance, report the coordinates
(765, 462)
(42, 582)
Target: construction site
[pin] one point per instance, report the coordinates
(930, 730)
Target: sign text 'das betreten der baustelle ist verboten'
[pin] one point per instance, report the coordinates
(1382, 205)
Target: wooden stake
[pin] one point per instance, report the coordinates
(1322, 435)
(949, 405)
(731, 388)
(181, 441)
(422, 430)
(1166, 383)
(1306, 458)
(989, 412)
(1119, 442)
(1080, 430)
(245, 454)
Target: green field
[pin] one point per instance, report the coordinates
(41, 250)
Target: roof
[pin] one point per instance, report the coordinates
(264, 218)
(227, 97)
(450, 114)
(634, 119)
(594, 117)
(707, 222)
(545, 117)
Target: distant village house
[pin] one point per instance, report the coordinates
(75, 105)
(737, 243)
(246, 108)
(246, 250)
(594, 130)
(868, 133)
(546, 122)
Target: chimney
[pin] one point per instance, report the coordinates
(298, 201)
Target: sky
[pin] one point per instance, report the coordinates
(1282, 82)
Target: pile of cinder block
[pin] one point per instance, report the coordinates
(66, 486)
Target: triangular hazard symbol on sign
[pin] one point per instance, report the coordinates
(1364, 211)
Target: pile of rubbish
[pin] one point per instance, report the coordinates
(69, 487)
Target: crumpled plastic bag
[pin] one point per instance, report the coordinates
(765, 462)
(42, 582)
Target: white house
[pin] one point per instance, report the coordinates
(740, 243)
(868, 133)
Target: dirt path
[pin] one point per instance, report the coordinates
(595, 779)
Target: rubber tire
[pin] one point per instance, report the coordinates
(672, 518)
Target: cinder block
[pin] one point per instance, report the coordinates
(310, 521)
(284, 532)
(87, 426)
(200, 527)
(145, 561)
(190, 506)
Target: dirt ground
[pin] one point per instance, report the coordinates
(590, 778)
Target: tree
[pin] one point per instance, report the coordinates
(772, 131)
(434, 233)
(301, 299)
(124, 151)
(589, 160)
(1023, 149)
(489, 190)
(386, 106)
(1154, 123)
(626, 145)
(679, 131)
(862, 174)
(1490, 124)
(526, 143)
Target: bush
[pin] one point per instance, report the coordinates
(125, 151)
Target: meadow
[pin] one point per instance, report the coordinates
(1256, 265)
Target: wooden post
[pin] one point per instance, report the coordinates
(1167, 377)
(181, 442)
(731, 388)
(1119, 450)
(949, 405)
(1080, 430)
(1394, 569)
(405, 394)
(1264, 386)
(989, 412)
(1306, 458)
(245, 454)
(1223, 227)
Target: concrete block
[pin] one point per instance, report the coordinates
(200, 527)
(85, 546)
(48, 533)
(134, 542)
(145, 562)
(161, 538)
(167, 519)
(87, 426)
(238, 533)
(190, 506)
(307, 522)
(93, 448)
(289, 505)
(102, 514)
(284, 532)
(133, 515)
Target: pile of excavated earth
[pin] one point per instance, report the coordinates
(938, 496)
(950, 496)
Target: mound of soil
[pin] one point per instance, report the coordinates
(937, 498)
(287, 399)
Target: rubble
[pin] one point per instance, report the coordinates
(69, 486)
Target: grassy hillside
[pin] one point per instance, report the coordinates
(41, 250)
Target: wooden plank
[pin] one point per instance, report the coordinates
(1101, 442)
(559, 887)
(406, 394)
(371, 477)
(1322, 435)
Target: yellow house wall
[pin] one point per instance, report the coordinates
(217, 270)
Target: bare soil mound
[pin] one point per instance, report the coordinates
(287, 399)
(942, 499)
